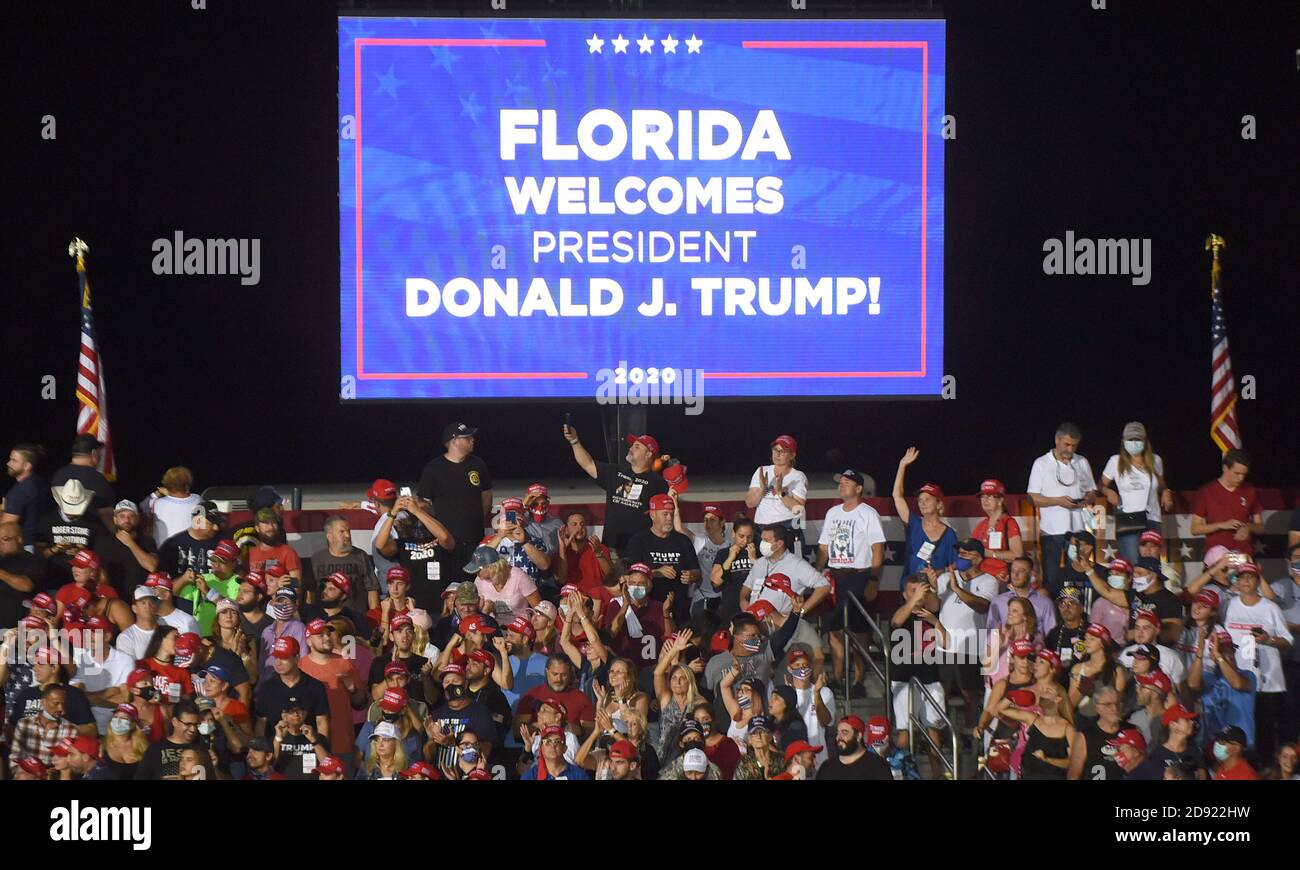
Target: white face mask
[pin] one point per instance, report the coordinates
(1116, 581)
(1141, 584)
(1072, 552)
(765, 548)
(206, 728)
(119, 726)
(1134, 448)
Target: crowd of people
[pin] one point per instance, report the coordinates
(499, 638)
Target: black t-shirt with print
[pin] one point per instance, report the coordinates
(1165, 604)
(82, 532)
(431, 567)
(911, 659)
(627, 498)
(732, 581)
(163, 759)
(29, 704)
(456, 490)
(1067, 642)
(293, 749)
(271, 697)
(183, 550)
(676, 550)
(474, 716)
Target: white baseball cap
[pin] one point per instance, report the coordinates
(695, 760)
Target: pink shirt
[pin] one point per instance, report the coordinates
(514, 593)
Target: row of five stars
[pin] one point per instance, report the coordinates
(645, 43)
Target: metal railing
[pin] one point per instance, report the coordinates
(915, 686)
(852, 644)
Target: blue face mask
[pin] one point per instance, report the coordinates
(637, 592)
(963, 564)
(469, 755)
(1220, 752)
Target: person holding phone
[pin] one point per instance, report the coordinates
(930, 541)
(1060, 483)
(1262, 638)
(517, 546)
(629, 486)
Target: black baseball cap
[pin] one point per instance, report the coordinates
(264, 498)
(1085, 537)
(1148, 651)
(972, 545)
(260, 744)
(83, 444)
(457, 430)
(1231, 734)
(852, 475)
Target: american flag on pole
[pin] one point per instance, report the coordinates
(92, 396)
(1223, 386)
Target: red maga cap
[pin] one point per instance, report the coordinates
(786, 441)
(330, 765)
(648, 441)
(85, 559)
(1208, 597)
(285, 648)
(800, 746)
(877, 729)
(992, 487)
(1178, 711)
(761, 609)
(1022, 648)
(779, 582)
(856, 723)
(1158, 680)
(397, 572)
(382, 490)
(1022, 697)
(226, 550)
(393, 700)
(1121, 565)
(43, 601)
(1130, 737)
(317, 627)
(1150, 536)
(661, 502)
(933, 489)
(521, 625)
(1099, 631)
(339, 579)
(537, 489)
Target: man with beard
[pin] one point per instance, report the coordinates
(190, 550)
(335, 598)
(671, 557)
(199, 593)
(128, 556)
(344, 689)
(852, 760)
(29, 498)
(271, 549)
(580, 559)
(339, 556)
(253, 618)
(423, 546)
(458, 488)
(628, 485)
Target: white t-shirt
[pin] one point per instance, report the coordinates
(92, 676)
(1171, 662)
(134, 641)
(962, 622)
(849, 535)
(1264, 661)
(771, 509)
(808, 713)
(181, 621)
(1053, 479)
(1137, 489)
(803, 579)
(171, 515)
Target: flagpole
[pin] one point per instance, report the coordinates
(94, 404)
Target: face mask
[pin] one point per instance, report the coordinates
(743, 701)
(392, 717)
(455, 693)
(708, 728)
(1141, 584)
(801, 673)
(119, 726)
(963, 564)
(637, 592)
(752, 645)
(469, 755)
(282, 612)
(1133, 448)
(50, 716)
(1295, 568)
(539, 511)
(1116, 581)
(765, 548)
(206, 728)
(1221, 752)
(1072, 553)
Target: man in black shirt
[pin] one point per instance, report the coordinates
(672, 556)
(69, 528)
(191, 549)
(853, 761)
(21, 575)
(298, 748)
(29, 498)
(289, 685)
(460, 488)
(423, 546)
(127, 556)
(163, 759)
(1066, 638)
(459, 712)
(87, 451)
(628, 486)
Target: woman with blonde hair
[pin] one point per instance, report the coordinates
(386, 756)
(1133, 481)
(499, 581)
(676, 692)
(931, 542)
(124, 744)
